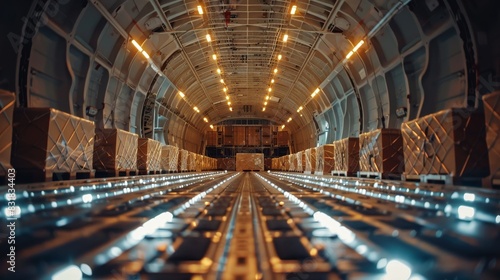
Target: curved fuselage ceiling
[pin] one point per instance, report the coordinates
(170, 69)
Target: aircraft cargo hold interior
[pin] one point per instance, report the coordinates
(249, 139)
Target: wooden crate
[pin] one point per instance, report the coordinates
(266, 130)
(7, 104)
(282, 138)
(249, 162)
(253, 135)
(310, 159)
(228, 164)
(268, 163)
(300, 160)
(324, 159)
(46, 142)
(286, 162)
(239, 136)
(211, 138)
(182, 164)
(115, 150)
(169, 158)
(492, 121)
(450, 142)
(381, 151)
(346, 155)
(148, 155)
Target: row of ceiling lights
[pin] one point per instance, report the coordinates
(293, 9)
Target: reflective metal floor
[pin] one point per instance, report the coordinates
(267, 225)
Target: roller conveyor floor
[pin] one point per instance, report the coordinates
(265, 225)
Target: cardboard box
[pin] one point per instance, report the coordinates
(7, 104)
(183, 160)
(249, 161)
(148, 155)
(169, 158)
(115, 150)
(48, 140)
(310, 157)
(492, 122)
(324, 159)
(346, 155)
(381, 151)
(228, 164)
(449, 142)
(300, 159)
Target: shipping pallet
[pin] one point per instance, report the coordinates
(410, 178)
(148, 172)
(115, 173)
(446, 179)
(168, 171)
(378, 175)
(37, 175)
(343, 173)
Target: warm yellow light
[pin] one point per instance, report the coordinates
(227, 97)
(263, 109)
(229, 103)
(196, 109)
(300, 109)
(289, 120)
(218, 71)
(265, 103)
(358, 46)
(294, 9)
(214, 57)
(267, 97)
(211, 126)
(283, 126)
(272, 81)
(209, 39)
(275, 70)
(221, 81)
(231, 109)
(349, 55)
(205, 119)
(225, 89)
(269, 89)
(181, 94)
(315, 92)
(145, 54)
(285, 37)
(136, 45)
(200, 10)
(279, 57)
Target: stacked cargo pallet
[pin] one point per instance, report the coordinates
(169, 159)
(7, 103)
(48, 144)
(492, 123)
(346, 157)
(115, 153)
(148, 156)
(447, 147)
(310, 158)
(324, 159)
(381, 154)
